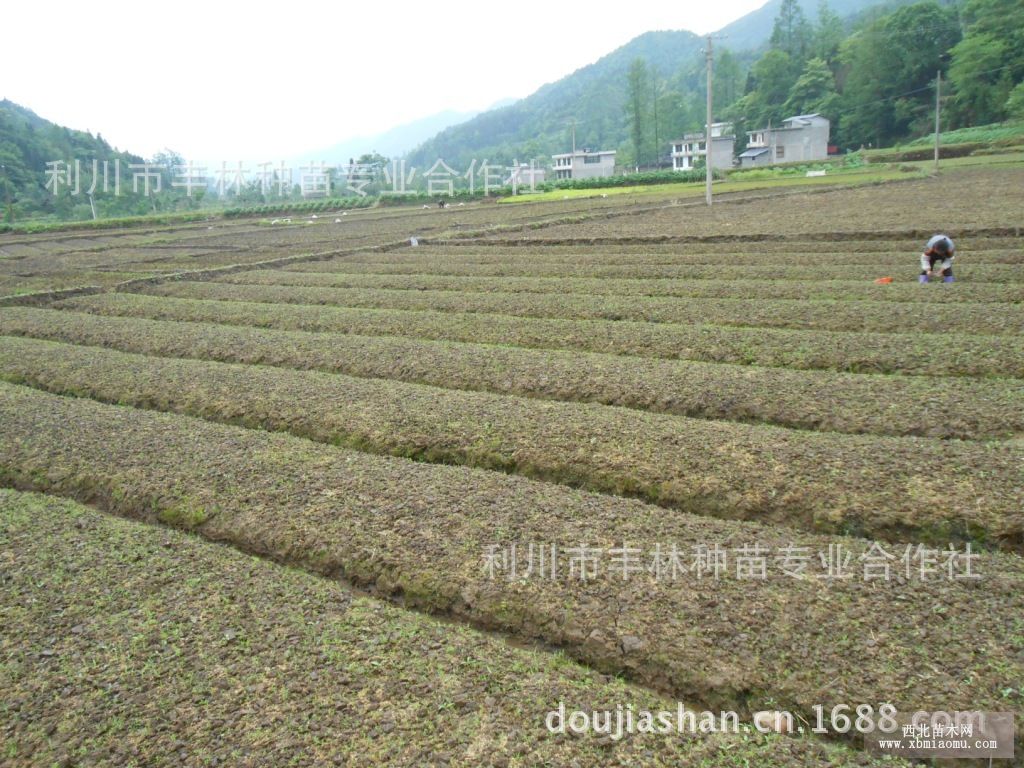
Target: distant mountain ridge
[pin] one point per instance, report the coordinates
(396, 141)
(593, 97)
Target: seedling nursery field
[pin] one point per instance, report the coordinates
(305, 493)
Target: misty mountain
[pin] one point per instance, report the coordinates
(593, 97)
(396, 141)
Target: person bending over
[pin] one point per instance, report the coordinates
(938, 258)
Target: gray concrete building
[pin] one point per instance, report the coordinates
(799, 139)
(688, 150)
(584, 164)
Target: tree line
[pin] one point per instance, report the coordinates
(874, 77)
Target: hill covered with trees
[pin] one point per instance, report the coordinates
(871, 71)
(28, 143)
(876, 81)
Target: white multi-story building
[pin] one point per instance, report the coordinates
(687, 150)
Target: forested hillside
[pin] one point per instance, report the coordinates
(877, 81)
(872, 72)
(28, 143)
(592, 100)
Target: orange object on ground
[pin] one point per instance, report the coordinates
(883, 280)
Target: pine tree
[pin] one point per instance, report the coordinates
(636, 105)
(792, 32)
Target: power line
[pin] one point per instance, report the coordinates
(938, 112)
(995, 69)
(951, 26)
(708, 141)
(707, 135)
(929, 87)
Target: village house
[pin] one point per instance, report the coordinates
(799, 138)
(689, 149)
(584, 164)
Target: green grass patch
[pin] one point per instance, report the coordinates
(696, 189)
(1007, 133)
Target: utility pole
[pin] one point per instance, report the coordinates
(654, 91)
(938, 109)
(707, 134)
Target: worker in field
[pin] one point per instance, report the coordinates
(938, 257)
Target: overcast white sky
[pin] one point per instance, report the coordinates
(215, 80)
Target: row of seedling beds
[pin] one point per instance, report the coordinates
(877, 317)
(966, 408)
(815, 290)
(512, 267)
(834, 483)
(281, 663)
(724, 250)
(423, 531)
(912, 352)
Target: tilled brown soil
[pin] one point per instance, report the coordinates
(60, 260)
(965, 200)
